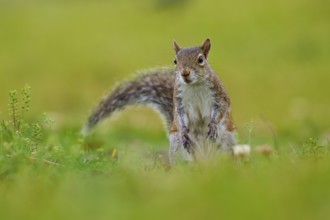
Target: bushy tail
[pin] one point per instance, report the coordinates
(153, 88)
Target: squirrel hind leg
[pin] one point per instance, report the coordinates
(177, 152)
(174, 139)
(226, 141)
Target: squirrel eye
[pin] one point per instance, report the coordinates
(200, 60)
(175, 61)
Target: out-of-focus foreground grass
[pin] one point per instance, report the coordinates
(273, 57)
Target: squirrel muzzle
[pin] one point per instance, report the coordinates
(186, 75)
(185, 72)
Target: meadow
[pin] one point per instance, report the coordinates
(58, 58)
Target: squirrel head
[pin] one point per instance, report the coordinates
(191, 63)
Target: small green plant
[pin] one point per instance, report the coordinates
(26, 99)
(15, 129)
(18, 106)
(14, 109)
(21, 140)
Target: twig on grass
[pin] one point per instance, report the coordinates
(49, 162)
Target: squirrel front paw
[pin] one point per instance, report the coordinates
(186, 141)
(212, 132)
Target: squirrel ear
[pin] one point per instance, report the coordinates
(206, 47)
(176, 47)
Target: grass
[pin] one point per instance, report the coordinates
(272, 56)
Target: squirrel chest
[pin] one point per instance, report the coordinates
(197, 103)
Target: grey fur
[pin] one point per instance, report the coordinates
(155, 87)
(191, 99)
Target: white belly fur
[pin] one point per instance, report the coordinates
(198, 101)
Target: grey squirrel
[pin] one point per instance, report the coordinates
(191, 99)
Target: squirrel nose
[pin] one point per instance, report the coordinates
(185, 72)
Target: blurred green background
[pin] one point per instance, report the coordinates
(273, 57)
